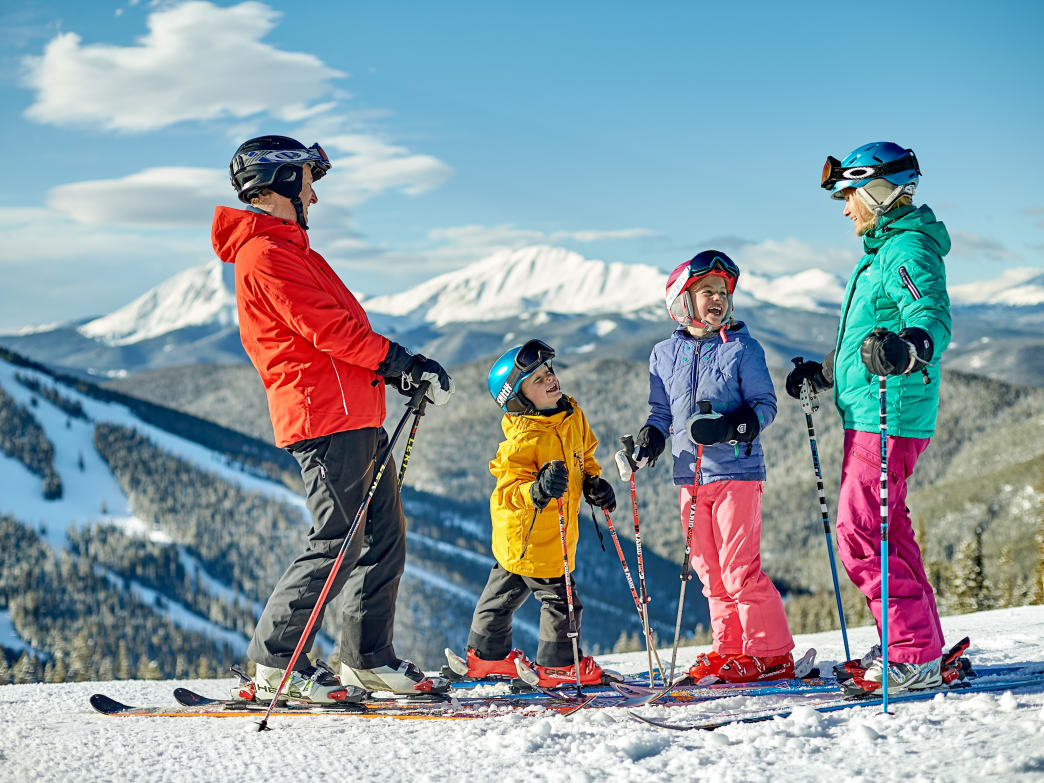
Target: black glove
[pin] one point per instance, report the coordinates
(648, 446)
(552, 481)
(598, 492)
(887, 353)
(821, 376)
(707, 427)
(408, 370)
(744, 424)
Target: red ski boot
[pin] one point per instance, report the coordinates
(475, 668)
(553, 676)
(753, 668)
(707, 666)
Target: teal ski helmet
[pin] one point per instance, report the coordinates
(869, 165)
(513, 367)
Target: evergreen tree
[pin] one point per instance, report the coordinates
(27, 669)
(5, 668)
(124, 667)
(970, 588)
(1006, 579)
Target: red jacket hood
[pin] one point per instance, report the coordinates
(233, 228)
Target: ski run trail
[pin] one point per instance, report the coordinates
(50, 733)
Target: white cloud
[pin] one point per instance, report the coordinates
(595, 235)
(771, 256)
(371, 165)
(153, 197)
(197, 62)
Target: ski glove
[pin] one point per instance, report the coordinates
(821, 376)
(408, 370)
(744, 424)
(552, 481)
(648, 446)
(707, 427)
(598, 492)
(887, 353)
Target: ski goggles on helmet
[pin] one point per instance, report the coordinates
(505, 380)
(315, 156)
(834, 172)
(702, 264)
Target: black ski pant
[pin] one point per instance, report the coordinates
(503, 594)
(373, 562)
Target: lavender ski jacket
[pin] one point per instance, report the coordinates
(683, 370)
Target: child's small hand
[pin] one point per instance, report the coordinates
(598, 492)
(552, 481)
(707, 427)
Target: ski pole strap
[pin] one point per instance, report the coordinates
(598, 530)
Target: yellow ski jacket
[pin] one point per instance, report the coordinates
(529, 442)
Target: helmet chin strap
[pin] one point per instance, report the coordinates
(880, 207)
(726, 318)
(299, 209)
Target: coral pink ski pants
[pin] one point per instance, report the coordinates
(914, 633)
(746, 610)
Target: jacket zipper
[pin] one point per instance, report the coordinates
(337, 375)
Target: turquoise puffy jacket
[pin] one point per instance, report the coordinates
(899, 283)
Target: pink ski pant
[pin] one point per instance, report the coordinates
(745, 608)
(914, 633)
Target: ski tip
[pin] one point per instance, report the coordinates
(106, 705)
(187, 698)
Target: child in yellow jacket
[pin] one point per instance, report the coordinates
(546, 458)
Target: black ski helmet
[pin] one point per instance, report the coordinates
(275, 163)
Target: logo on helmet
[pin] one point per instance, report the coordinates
(504, 394)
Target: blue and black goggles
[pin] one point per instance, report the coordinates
(834, 172)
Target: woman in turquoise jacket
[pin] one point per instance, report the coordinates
(895, 321)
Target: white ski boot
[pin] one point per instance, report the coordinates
(906, 676)
(314, 684)
(403, 678)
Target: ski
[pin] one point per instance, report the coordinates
(827, 703)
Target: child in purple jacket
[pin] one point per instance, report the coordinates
(711, 357)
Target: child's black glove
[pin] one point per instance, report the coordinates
(552, 481)
(821, 376)
(648, 446)
(598, 492)
(707, 427)
(744, 424)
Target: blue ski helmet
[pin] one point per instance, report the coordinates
(513, 367)
(877, 160)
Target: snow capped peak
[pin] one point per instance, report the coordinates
(1014, 288)
(811, 289)
(537, 278)
(203, 295)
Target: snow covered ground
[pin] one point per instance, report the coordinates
(48, 732)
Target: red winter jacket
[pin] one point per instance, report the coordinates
(306, 334)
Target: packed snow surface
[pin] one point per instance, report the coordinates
(48, 732)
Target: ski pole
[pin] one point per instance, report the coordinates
(810, 404)
(628, 468)
(685, 576)
(415, 406)
(573, 633)
(643, 617)
(882, 395)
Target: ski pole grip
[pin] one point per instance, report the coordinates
(418, 400)
(798, 361)
(628, 447)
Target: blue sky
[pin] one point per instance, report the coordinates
(624, 131)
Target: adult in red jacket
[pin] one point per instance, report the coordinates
(324, 371)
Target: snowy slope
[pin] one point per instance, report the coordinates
(50, 733)
(1014, 288)
(201, 296)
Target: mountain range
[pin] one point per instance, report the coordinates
(579, 305)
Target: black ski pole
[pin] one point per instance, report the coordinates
(415, 406)
(810, 404)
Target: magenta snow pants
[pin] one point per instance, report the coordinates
(746, 610)
(914, 632)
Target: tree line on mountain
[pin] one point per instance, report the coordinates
(87, 625)
(22, 438)
(248, 452)
(71, 407)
